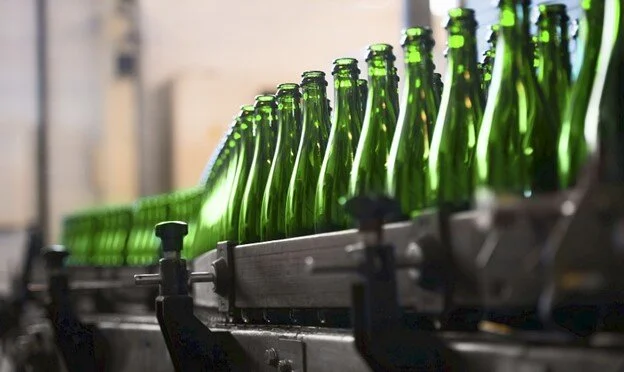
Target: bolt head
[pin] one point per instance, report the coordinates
(284, 366)
(171, 230)
(270, 357)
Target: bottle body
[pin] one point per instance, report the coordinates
(333, 182)
(299, 211)
(273, 221)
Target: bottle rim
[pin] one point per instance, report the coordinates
(313, 76)
(417, 34)
(287, 88)
(264, 99)
(380, 50)
(464, 16)
(549, 10)
(345, 64)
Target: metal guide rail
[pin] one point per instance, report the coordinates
(529, 285)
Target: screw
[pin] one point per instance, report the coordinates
(284, 366)
(270, 357)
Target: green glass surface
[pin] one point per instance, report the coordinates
(244, 158)
(272, 217)
(604, 122)
(516, 146)
(438, 87)
(572, 150)
(113, 226)
(488, 60)
(333, 181)
(394, 87)
(77, 237)
(451, 159)
(407, 160)
(368, 174)
(265, 133)
(185, 206)
(362, 85)
(299, 209)
(211, 226)
(553, 72)
(143, 246)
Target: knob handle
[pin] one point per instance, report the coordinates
(54, 256)
(372, 211)
(171, 234)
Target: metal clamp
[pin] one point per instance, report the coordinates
(192, 346)
(82, 346)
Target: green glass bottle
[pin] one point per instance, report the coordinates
(535, 52)
(407, 160)
(516, 146)
(363, 90)
(333, 181)
(77, 237)
(604, 122)
(438, 87)
(314, 132)
(368, 174)
(142, 247)
(185, 206)
(244, 158)
(394, 88)
(265, 130)
(553, 72)
(211, 226)
(114, 223)
(572, 151)
(451, 173)
(272, 216)
(488, 60)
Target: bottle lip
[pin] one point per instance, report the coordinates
(465, 16)
(287, 89)
(246, 108)
(345, 64)
(380, 50)
(417, 34)
(547, 10)
(313, 76)
(264, 100)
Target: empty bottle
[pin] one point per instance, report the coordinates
(516, 146)
(572, 151)
(186, 206)
(314, 133)
(113, 227)
(273, 222)
(368, 174)
(553, 72)
(407, 160)
(604, 123)
(451, 173)
(77, 237)
(488, 60)
(143, 246)
(333, 182)
(265, 130)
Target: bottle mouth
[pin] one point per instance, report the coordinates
(264, 100)
(345, 64)
(417, 34)
(545, 11)
(313, 77)
(246, 108)
(380, 50)
(461, 16)
(287, 89)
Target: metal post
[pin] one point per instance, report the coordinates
(42, 119)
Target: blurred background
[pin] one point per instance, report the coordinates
(103, 101)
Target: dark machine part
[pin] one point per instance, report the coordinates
(192, 346)
(82, 346)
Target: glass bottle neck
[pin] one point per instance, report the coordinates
(345, 93)
(314, 103)
(462, 48)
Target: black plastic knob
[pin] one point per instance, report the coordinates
(172, 234)
(372, 211)
(54, 256)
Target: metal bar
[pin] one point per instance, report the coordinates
(42, 119)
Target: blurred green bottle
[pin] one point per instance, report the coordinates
(438, 87)
(362, 85)
(333, 182)
(272, 221)
(407, 160)
(516, 146)
(77, 237)
(488, 60)
(368, 174)
(265, 133)
(604, 122)
(212, 223)
(553, 72)
(143, 246)
(244, 158)
(394, 89)
(315, 130)
(572, 151)
(451, 173)
(185, 206)
(114, 224)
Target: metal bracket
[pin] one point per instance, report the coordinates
(192, 346)
(82, 346)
